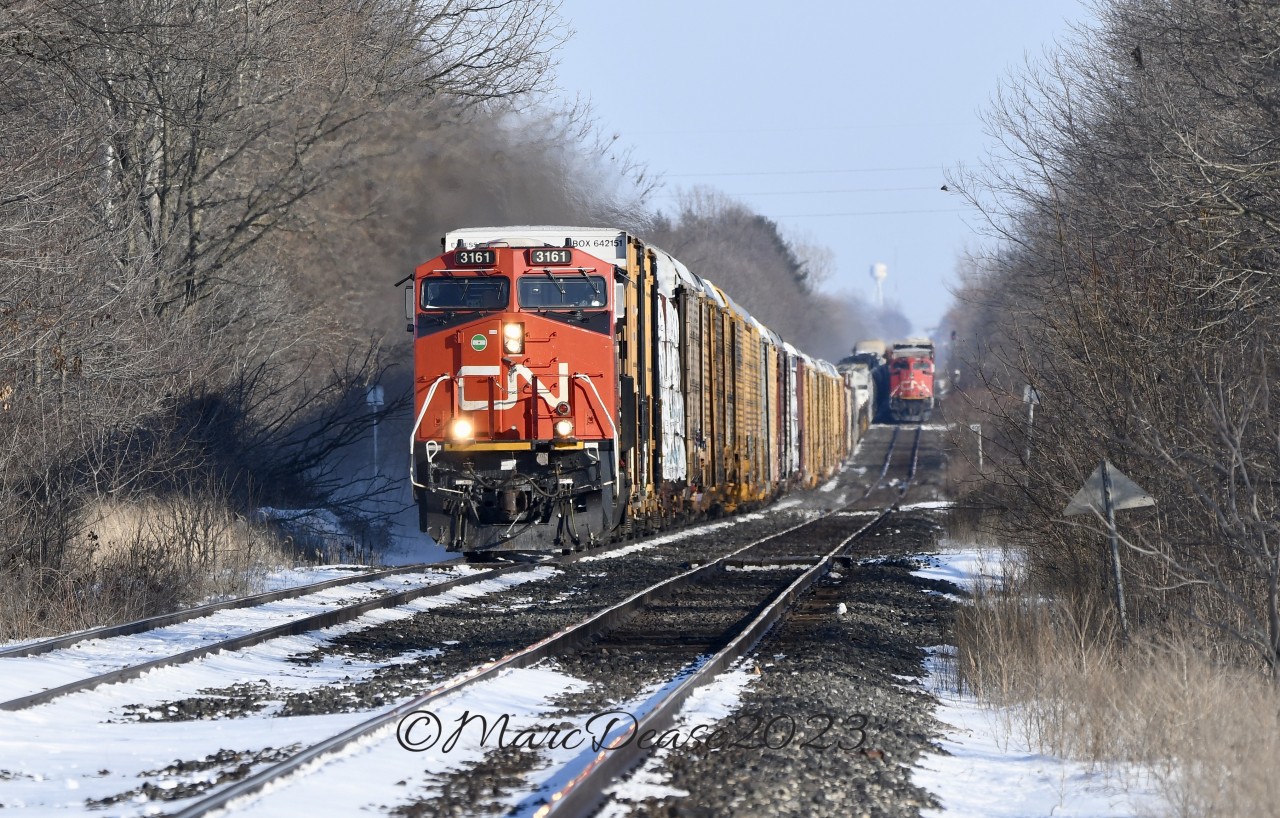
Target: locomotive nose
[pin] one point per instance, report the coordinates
(481, 345)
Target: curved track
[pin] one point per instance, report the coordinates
(164, 620)
(584, 789)
(325, 619)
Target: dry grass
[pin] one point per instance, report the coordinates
(1209, 731)
(138, 559)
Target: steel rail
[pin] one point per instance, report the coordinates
(291, 628)
(888, 458)
(785, 561)
(601, 622)
(583, 794)
(563, 639)
(164, 620)
(915, 455)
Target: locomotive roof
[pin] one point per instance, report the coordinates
(610, 244)
(913, 352)
(606, 243)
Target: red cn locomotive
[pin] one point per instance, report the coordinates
(911, 380)
(573, 382)
(515, 352)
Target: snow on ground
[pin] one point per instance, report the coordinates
(276, 580)
(452, 737)
(965, 567)
(695, 531)
(926, 505)
(408, 545)
(80, 758)
(31, 674)
(382, 766)
(282, 578)
(705, 706)
(988, 772)
(55, 757)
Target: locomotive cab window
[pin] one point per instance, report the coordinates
(921, 365)
(563, 292)
(465, 293)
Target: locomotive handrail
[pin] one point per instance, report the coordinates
(616, 440)
(413, 433)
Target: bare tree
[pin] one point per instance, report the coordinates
(1131, 286)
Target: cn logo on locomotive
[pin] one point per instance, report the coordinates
(514, 375)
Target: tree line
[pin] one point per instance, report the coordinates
(185, 189)
(203, 207)
(1134, 213)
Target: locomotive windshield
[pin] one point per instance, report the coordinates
(465, 293)
(562, 292)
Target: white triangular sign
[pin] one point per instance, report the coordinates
(1124, 493)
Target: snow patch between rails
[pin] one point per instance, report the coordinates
(775, 567)
(706, 705)
(513, 701)
(927, 504)
(670, 538)
(269, 661)
(985, 771)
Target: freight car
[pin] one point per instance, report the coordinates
(573, 384)
(910, 368)
(860, 376)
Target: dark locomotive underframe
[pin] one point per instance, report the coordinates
(537, 499)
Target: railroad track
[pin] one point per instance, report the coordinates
(582, 790)
(200, 611)
(292, 627)
(439, 579)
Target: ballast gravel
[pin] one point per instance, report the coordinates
(846, 660)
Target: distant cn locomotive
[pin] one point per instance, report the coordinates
(573, 384)
(910, 366)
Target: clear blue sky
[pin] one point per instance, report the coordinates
(839, 120)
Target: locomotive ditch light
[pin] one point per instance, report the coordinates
(563, 428)
(513, 338)
(461, 429)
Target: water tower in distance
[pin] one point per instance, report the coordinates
(880, 271)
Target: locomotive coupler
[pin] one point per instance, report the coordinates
(510, 503)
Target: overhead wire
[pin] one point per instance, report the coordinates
(814, 192)
(803, 172)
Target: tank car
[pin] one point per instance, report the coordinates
(575, 383)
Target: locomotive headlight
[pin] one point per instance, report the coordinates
(513, 338)
(563, 428)
(461, 429)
